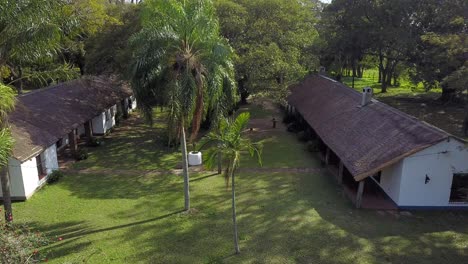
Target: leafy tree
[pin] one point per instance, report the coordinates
(7, 103)
(441, 43)
(99, 58)
(180, 61)
(31, 34)
(91, 16)
(271, 39)
(354, 29)
(229, 140)
(344, 37)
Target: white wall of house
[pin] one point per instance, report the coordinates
(439, 163)
(98, 124)
(16, 180)
(104, 121)
(24, 177)
(390, 181)
(134, 102)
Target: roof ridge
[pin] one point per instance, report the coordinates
(59, 85)
(395, 110)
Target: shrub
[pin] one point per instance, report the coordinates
(81, 154)
(287, 119)
(302, 136)
(294, 127)
(94, 142)
(312, 146)
(20, 244)
(54, 176)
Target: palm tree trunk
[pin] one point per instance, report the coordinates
(234, 215)
(6, 194)
(183, 143)
(197, 114)
(220, 169)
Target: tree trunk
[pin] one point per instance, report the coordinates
(234, 215)
(6, 193)
(447, 94)
(183, 145)
(197, 114)
(381, 59)
(243, 91)
(380, 76)
(384, 82)
(220, 167)
(19, 83)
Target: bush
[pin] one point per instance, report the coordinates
(94, 142)
(312, 146)
(287, 119)
(20, 244)
(303, 136)
(54, 176)
(294, 127)
(82, 154)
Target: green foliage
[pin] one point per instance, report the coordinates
(20, 244)
(180, 61)
(81, 154)
(94, 142)
(99, 58)
(426, 36)
(54, 176)
(229, 140)
(32, 32)
(7, 104)
(271, 39)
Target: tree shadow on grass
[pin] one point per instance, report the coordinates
(299, 218)
(112, 186)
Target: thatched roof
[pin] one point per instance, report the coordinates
(366, 139)
(44, 116)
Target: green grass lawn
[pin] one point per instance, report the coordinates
(135, 146)
(283, 217)
(405, 87)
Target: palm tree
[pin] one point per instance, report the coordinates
(7, 103)
(181, 62)
(228, 140)
(31, 32)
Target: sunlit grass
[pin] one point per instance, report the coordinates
(405, 86)
(283, 217)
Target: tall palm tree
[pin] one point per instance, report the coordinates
(180, 61)
(31, 32)
(228, 139)
(7, 103)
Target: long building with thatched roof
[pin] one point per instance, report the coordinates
(380, 150)
(55, 118)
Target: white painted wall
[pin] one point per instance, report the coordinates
(110, 123)
(101, 125)
(24, 178)
(390, 181)
(16, 181)
(98, 124)
(134, 102)
(439, 163)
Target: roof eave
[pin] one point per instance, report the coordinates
(366, 174)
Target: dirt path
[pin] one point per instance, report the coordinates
(196, 169)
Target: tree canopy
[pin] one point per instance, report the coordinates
(271, 39)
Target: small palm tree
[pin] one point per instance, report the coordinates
(181, 62)
(228, 140)
(7, 103)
